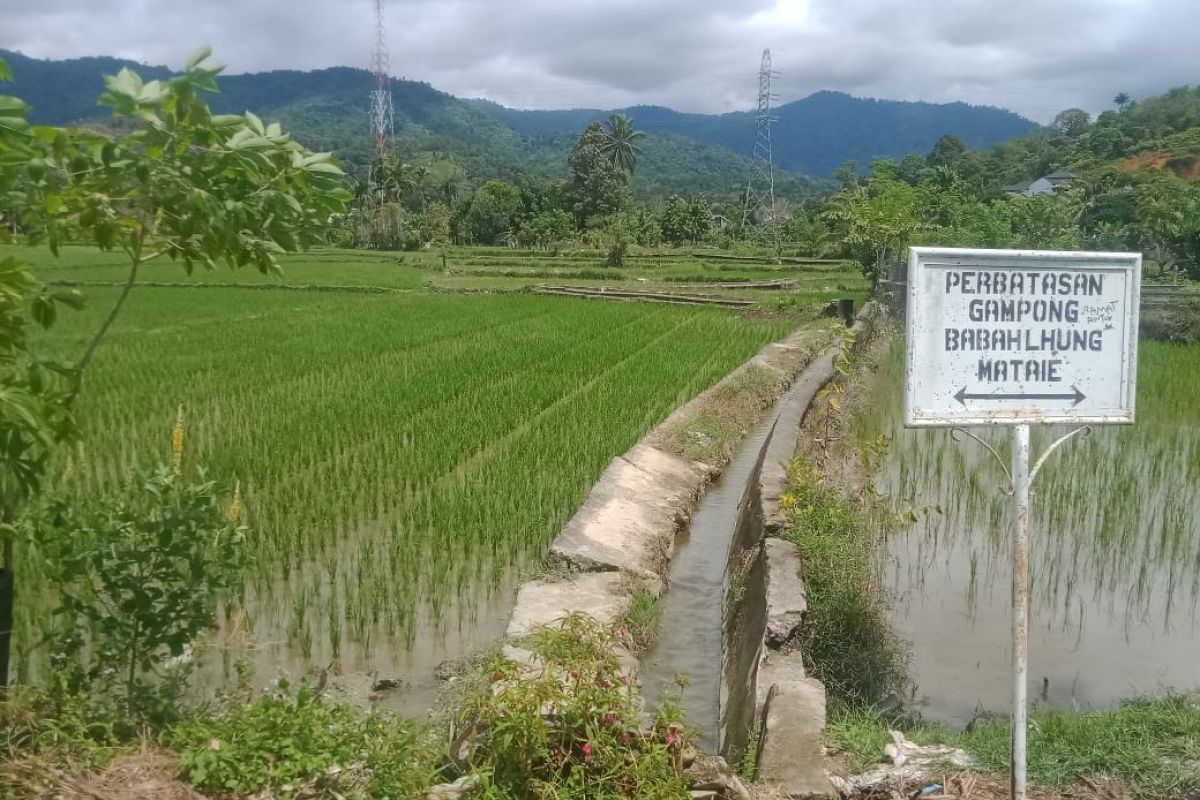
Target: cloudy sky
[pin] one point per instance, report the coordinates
(1033, 56)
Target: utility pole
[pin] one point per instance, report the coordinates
(759, 206)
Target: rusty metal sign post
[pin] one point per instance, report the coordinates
(1021, 338)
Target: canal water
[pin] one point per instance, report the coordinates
(691, 638)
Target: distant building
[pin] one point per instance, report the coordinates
(1047, 184)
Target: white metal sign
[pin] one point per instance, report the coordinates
(1021, 337)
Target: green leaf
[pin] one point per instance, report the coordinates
(12, 106)
(44, 311)
(153, 92)
(126, 83)
(313, 158)
(36, 168)
(197, 57)
(72, 298)
(37, 378)
(255, 123)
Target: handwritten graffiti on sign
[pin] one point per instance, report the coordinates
(1021, 336)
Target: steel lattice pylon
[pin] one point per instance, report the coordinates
(382, 119)
(760, 188)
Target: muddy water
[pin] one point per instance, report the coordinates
(690, 631)
(459, 630)
(1115, 569)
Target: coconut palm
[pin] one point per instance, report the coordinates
(620, 143)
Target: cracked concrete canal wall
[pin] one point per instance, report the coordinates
(765, 685)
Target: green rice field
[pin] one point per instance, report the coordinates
(402, 455)
(474, 269)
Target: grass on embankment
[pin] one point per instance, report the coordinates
(641, 620)
(712, 431)
(846, 639)
(710, 428)
(1151, 743)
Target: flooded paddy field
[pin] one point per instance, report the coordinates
(402, 457)
(1115, 552)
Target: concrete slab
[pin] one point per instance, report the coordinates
(632, 514)
(776, 667)
(545, 602)
(792, 760)
(786, 602)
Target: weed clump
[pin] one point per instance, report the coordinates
(847, 641)
(641, 620)
(567, 724)
(294, 739)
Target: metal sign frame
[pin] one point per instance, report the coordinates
(923, 259)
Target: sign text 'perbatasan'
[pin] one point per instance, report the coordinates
(1021, 336)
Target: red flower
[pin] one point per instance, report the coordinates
(587, 751)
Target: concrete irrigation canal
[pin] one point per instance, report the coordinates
(731, 593)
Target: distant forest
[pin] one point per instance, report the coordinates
(684, 153)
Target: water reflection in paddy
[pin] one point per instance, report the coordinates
(1115, 553)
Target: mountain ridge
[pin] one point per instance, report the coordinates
(842, 122)
(326, 108)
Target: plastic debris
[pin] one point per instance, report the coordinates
(912, 765)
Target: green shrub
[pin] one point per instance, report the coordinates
(569, 728)
(139, 575)
(294, 739)
(77, 731)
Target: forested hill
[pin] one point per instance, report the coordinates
(813, 135)
(326, 109)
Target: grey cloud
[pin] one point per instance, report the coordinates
(1033, 56)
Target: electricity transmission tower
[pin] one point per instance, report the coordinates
(760, 188)
(381, 113)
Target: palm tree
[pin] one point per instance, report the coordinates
(394, 181)
(420, 182)
(620, 143)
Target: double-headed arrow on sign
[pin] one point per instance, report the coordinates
(962, 396)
